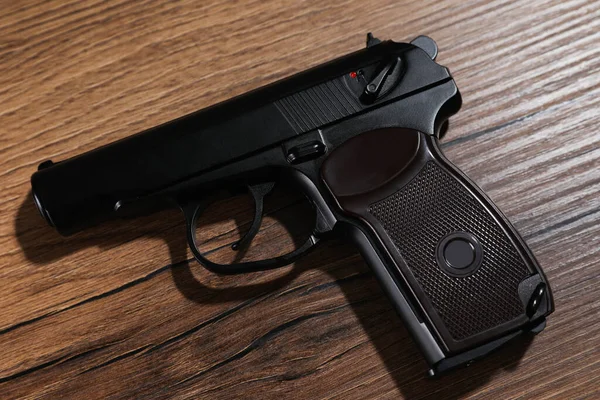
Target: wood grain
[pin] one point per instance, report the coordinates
(120, 311)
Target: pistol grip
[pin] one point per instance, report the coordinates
(463, 268)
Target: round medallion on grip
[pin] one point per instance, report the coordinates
(459, 254)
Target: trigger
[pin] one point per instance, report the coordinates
(258, 193)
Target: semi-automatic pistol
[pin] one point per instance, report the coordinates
(359, 137)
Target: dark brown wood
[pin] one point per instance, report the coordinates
(119, 312)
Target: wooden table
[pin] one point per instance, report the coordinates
(120, 311)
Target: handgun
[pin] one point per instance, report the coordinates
(359, 138)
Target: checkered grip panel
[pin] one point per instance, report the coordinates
(427, 209)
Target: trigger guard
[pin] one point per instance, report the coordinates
(193, 211)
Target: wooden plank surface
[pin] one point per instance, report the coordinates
(119, 311)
